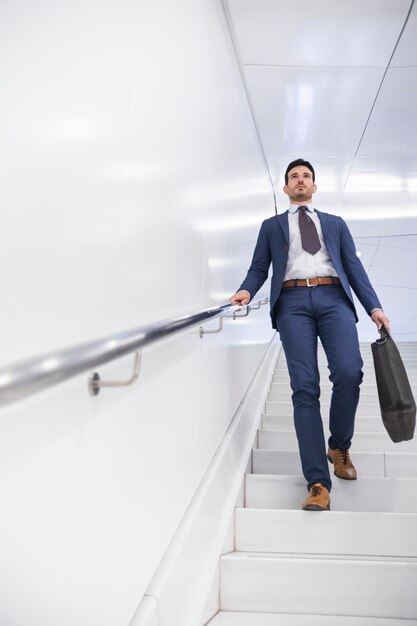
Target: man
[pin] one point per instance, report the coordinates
(314, 265)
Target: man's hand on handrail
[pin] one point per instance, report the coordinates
(241, 298)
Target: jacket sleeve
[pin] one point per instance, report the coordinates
(259, 268)
(355, 271)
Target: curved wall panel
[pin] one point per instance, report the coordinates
(132, 188)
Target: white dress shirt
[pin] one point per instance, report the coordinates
(302, 264)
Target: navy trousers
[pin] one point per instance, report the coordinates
(303, 315)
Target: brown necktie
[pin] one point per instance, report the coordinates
(309, 237)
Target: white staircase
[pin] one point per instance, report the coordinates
(355, 565)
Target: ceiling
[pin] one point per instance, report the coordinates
(336, 83)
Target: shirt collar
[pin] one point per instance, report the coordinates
(294, 207)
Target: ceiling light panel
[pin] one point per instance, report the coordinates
(320, 33)
(392, 129)
(300, 109)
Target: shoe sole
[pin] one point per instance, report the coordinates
(345, 477)
(315, 507)
(329, 458)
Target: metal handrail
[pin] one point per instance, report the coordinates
(25, 378)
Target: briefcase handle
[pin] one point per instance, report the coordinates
(385, 334)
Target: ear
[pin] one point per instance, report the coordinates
(285, 189)
(314, 188)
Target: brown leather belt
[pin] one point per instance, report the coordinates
(312, 282)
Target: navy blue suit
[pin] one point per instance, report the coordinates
(301, 315)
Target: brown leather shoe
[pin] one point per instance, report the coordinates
(343, 466)
(318, 500)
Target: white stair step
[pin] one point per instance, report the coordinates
(284, 395)
(401, 465)
(368, 361)
(281, 368)
(233, 618)
(252, 582)
(389, 495)
(288, 463)
(366, 358)
(282, 385)
(369, 380)
(325, 384)
(335, 532)
(406, 350)
(407, 355)
(286, 422)
(325, 397)
(280, 379)
(368, 464)
(365, 409)
(284, 462)
(368, 384)
(362, 442)
(368, 369)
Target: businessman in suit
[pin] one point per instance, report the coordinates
(315, 265)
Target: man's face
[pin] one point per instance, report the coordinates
(300, 187)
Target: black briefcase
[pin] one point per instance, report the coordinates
(398, 407)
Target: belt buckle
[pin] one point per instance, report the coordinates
(308, 283)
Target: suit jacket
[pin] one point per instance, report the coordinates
(273, 245)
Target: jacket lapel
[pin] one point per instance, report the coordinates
(282, 219)
(324, 224)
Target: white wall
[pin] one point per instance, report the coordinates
(132, 188)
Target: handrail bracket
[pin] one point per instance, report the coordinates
(95, 383)
(212, 332)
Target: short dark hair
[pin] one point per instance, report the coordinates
(296, 163)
